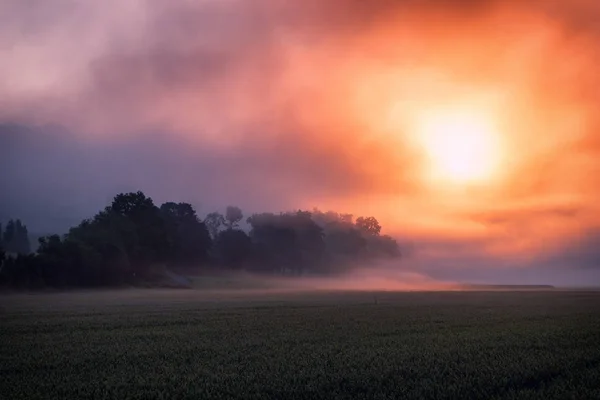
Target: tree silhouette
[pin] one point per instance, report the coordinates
(275, 241)
(143, 217)
(368, 225)
(16, 237)
(132, 204)
(233, 216)
(189, 238)
(22, 245)
(214, 221)
(346, 241)
(9, 234)
(132, 240)
(384, 246)
(233, 248)
(288, 241)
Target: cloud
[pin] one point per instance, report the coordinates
(581, 251)
(295, 104)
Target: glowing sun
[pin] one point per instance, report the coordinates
(460, 147)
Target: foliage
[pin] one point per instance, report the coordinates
(148, 228)
(288, 241)
(233, 248)
(189, 238)
(131, 239)
(15, 238)
(233, 216)
(214, 221)
(469, 345)
(368, 225)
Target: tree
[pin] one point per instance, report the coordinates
(384, 246)
(21, 245)
(121, 243)
(152, 244)
(233, 215)
(288, 241)
(22, 271)
(9, 235)
(309, 239)
(106, 245)
(347, 218)
(272, 241)
(4, 276)
(189, 238)
(132, 204)
(331, 218)
(16, 237)
(214, 221)
(368, 225)
(346, 242)
(60, 263)
(233, 248)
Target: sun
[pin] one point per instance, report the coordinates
(460, 147)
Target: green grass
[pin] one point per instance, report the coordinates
(189, 344)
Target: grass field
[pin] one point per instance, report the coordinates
(192, 344)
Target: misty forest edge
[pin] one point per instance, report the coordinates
(135, 242)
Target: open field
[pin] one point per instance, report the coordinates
(159, 344)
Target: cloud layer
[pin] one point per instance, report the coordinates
(295, 104)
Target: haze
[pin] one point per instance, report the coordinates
(281, 105)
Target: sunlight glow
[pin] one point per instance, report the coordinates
(460, 147)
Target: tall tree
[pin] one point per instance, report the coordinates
(107, 243)
(384, 246)
(368, 225)
(347, 218)
(214, 221)
(152, 243)
(233, 216)
(189, 238)
(132, 204)
(16, 237)
(9, 235)
(274, 241)
(345, 241)
(233, 248)
(331, 219)
(22, 245)
(288, 241)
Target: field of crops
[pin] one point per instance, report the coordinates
(191, 344)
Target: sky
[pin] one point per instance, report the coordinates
(355, 106)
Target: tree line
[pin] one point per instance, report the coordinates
(133, 240)
(14, 238)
